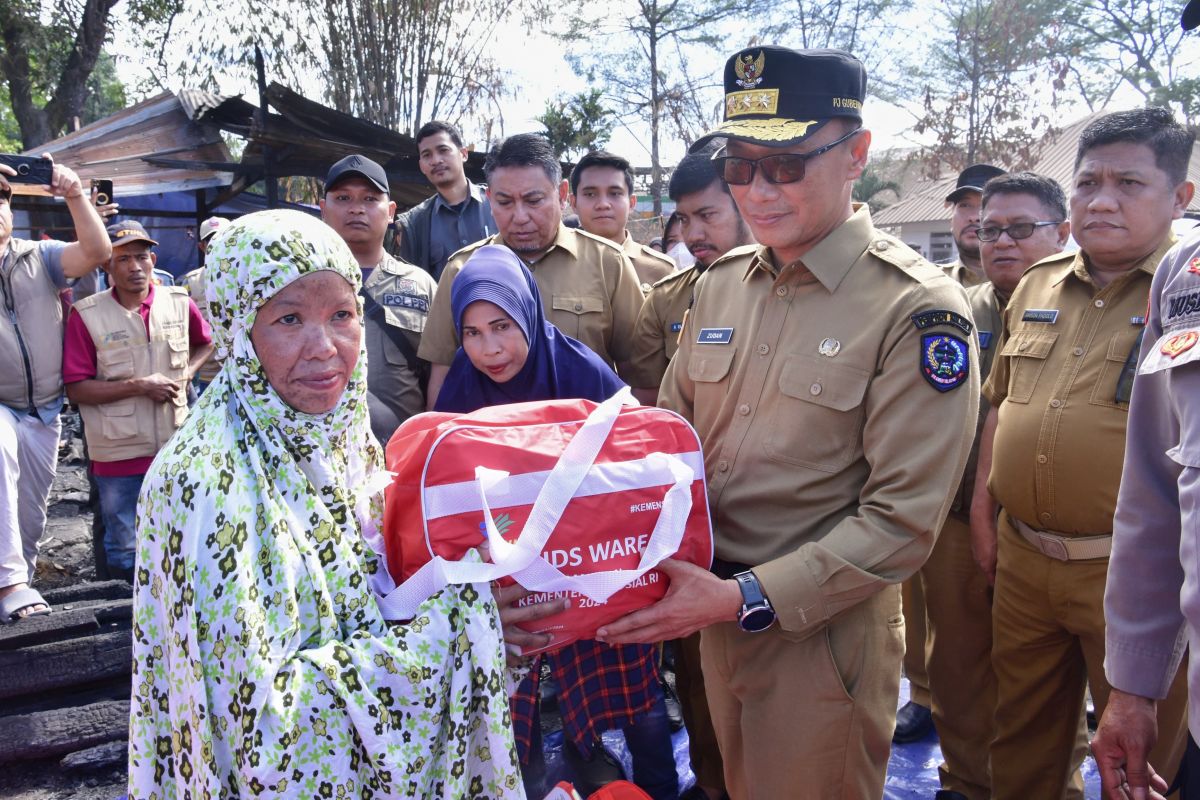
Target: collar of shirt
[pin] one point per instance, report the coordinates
(474, 192)
(831, 258)
(566, 238)
(1077, 266)
(630, 246)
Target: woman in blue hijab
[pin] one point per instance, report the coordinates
(511, 354)
(506, 327)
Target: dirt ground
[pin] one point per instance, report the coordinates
(65, 559)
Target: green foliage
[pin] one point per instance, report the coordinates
(871, 187)
(574, 125)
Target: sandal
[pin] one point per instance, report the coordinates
(12, 605)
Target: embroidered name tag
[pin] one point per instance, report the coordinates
(406, 301)
(985, 340)
(1046, 315)
(676, 327)
(1181, 305)
(940, 316)
(116, 336)
(715, 336)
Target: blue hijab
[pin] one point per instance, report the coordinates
(557, 367)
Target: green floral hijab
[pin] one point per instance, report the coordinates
(262, 663)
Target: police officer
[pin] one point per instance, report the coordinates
(831, 376)
(396, 295)
(964, 203)
(1053, 444)
(710, 226)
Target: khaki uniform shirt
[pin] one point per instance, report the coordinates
(963, 274)
(831, 459)
(405, 293)
(986, 307)
(650, 265)
(589, 290)
(1060, 435)
(656, 334)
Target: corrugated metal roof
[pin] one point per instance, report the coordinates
(925, 202)
(116, 147)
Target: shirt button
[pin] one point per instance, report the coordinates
(1055, 403)
(1078, 351)
(722, 466)
(763, 349)
(815, 389)
(1022, 345)
(781, 291)
(744, 409)
(881, 246)
(579, 306)
(1099, 304)
(1042, 459)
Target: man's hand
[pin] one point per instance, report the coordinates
(983, 544)
(515, 637)
(695, 600)
(105, 210)
(1127, 732)
(63, 181)
(158, 387)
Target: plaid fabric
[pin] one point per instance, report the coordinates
(600, 688)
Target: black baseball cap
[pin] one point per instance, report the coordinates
(357, 166)
(1191, 15)
(972, 179)
(775, 96)
(127, 232)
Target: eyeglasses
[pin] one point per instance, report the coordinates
(783, 168)
(1018, 230)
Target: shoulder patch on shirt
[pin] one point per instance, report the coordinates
(399, 300)
(1180, 306)
(927, 319)
(1046, 315)
(1171, 350)
(715, 336)
(985, 340)
(945, 360)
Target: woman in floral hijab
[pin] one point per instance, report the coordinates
(262, 664)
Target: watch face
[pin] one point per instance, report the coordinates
(757, 619)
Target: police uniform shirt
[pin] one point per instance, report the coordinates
(1152, 597)
(405, 293)
(836, 401)
(963, 274)
(656, 334)
(649, 264)
(588, 287)
(1060, 437)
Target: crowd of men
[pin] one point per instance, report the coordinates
(868, 419)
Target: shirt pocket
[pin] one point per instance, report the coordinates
(115, 365)
(708, 368)
(573, 314)
(1104, 392)
(817, 417)
(1026, 353)
(121, 424)
(179, 353)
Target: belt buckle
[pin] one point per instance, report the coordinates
(1054, 547)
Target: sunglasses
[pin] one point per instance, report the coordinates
(1018, 230)
(783, 168)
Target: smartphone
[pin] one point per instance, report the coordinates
(29, 169)
(104, 191)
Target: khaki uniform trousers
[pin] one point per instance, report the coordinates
(809, 719)
(1048, 645)
(958, 608)
(916, 638)
(702, 739)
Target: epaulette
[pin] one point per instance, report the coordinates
(601, 239)
(733, 255)
(672, 276)
(657, 256)
(888, 248)
(1057, 259)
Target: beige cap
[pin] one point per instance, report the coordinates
(211, 226)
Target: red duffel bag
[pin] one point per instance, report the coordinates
(573, 497)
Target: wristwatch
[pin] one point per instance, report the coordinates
(756, 613)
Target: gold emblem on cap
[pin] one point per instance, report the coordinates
(749, 69)
(829, 347)
(765, 101)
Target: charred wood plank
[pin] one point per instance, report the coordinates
(66, 622)
(48, 734)
(47, 667)
(101, 756)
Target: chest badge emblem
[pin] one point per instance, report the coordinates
(829, 347)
